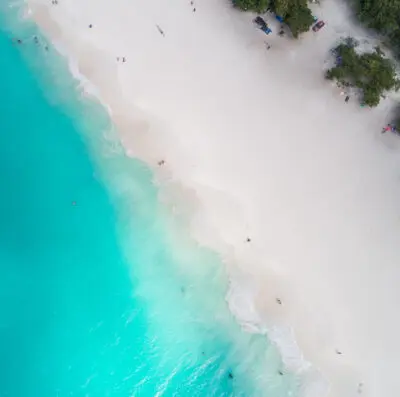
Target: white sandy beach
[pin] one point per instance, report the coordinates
(257, 144)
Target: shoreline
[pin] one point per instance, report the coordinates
(206, 196)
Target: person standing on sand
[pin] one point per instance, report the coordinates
(160, 30)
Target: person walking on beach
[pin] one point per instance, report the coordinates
(160, 30)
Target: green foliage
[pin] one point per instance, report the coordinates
(299, 19)
(370, 72)
(252, 5)
(295, 13)
(383, 16)
(281, 7)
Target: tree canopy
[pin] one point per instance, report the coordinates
(370, 72)
(298, 17)
(383, 16)
(252, 5)
(295, 13)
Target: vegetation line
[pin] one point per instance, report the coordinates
(295, 13)
(371, 73)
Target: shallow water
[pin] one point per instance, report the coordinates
(101, 295)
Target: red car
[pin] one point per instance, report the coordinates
(318, 26)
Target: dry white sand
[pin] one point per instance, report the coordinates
(256, 144)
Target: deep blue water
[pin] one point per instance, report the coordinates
(93, 299)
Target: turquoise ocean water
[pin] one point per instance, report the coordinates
(96, 297)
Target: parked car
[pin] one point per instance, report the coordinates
(262, 25)
(260, 22)
(319, 25)
(266, 30)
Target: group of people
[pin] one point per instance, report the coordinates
(35, 40)
(390, 127)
